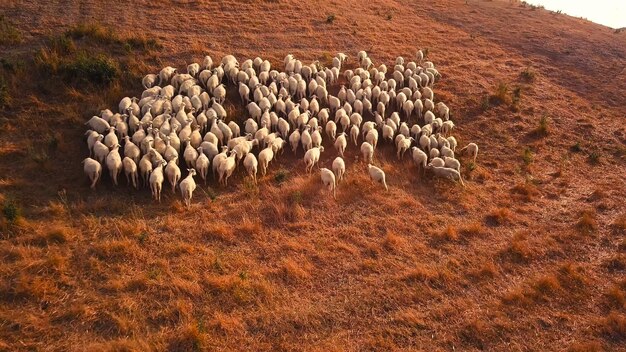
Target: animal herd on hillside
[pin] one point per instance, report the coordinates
(180, 121)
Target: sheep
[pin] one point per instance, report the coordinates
(130, 169)
(372, 137)
(437, 162)
(187, 186)
(339, 168)
(156, 181)
(190, 155)
(305, 139)
(227, 167)
(172, 172)
(354, 134)
(368, 152)
(377, 175)
(419, 157)
(294, 141)
(452, 163)
(446, 173)
(403, 146)
(472, 148)
(114, 162)
(98, 124)
(149, 81)
(328, 179)
(445, 151)
(316, 137)
(251, 165)
(265, 157)
(331, 130)
(341, 143)
(388, 132)
(202, 164)
(92, 137)
(311, 157)
(218, 159)
(443, 111)
(145, 167)
(93, 170)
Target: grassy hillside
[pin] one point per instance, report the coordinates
(530, 256)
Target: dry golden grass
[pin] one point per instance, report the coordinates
(282, 266)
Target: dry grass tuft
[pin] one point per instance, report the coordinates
(450, 234)
(589, 346)
(393, 241)
(616, 263)
(219, 231)
(526, 190)
(613, 326)
(616, 296)
(518, 250)
(188, 338)
(485, 272)
(473, 229)
(294, 271)
(498, 216)
(587, 223)
(476, 333)
(226, 325)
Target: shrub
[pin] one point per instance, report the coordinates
(330, 18)
(11, 211)
(576, 148)
(5, 98)
(8, 33)
(587, 223)
(100, 69)
(543, 128)
(528, 75)
(594, 157)
(527, 156)
(281, 176)
(501, 94)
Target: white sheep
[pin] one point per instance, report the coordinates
(156, 181)
(372, 137)
(130, 170)
(377, 175)
(341, 143)
(265, 157)
(93, 170)
(472, 148)
(419, 158)
(202, 164)
(368, 152)
(331, 130)
(227, 167)
(172, 172)
(311, 157)
(452, 163)
(114, 163)
(328, 179)
(339, 168)
(437, 162)
(187, 186)
(404, 145)
(446, 173)
(251, 165)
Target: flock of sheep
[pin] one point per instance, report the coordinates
(180, 120)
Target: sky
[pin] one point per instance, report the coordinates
(610, 13)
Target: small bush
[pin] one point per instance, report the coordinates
(594, 157)
(425, 52)
(501, 94)
(11, 211)
(5, 98)
(544, 124)
(587, 223)
(614, 326)
(498, 216)
(389, 17)
(281, 176)
(528, 75)
(100, 69)
(576, 148)
(485, 104)
(8, 33)
(330, 18)
(527, 156)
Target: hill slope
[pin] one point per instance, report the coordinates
(530, 256)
